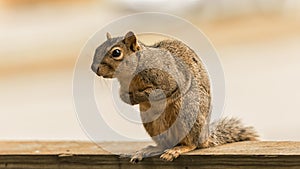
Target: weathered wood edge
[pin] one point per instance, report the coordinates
(183, 161)
(105, 148)
(86, 155)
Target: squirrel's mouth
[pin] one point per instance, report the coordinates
(105, 70)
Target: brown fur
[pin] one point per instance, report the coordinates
(174, 96)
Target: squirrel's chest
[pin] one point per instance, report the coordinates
(158, 117)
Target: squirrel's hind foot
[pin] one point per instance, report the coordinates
(168, 155)
(134, 157)
(148, 151)
(171, 154)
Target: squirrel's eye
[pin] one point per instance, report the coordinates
(117, 53)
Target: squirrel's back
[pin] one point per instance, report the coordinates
(180, 50)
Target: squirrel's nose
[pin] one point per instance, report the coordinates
(95, 68)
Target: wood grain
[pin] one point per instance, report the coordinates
(79, 155)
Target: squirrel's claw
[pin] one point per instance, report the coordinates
(136, 158)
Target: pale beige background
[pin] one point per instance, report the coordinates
(257, 41)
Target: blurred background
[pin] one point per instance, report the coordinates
(258, 42)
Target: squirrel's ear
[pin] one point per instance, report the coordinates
(108, 36)
(131, 42)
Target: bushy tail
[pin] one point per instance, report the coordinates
(230, 130)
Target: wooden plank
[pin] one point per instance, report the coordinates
(88, 155)
(253, 148)
(73, 147)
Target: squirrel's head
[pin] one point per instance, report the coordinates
(116, 56)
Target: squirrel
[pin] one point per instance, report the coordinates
(172, 87)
